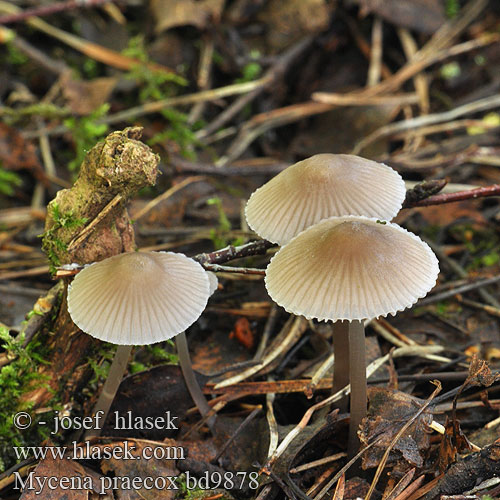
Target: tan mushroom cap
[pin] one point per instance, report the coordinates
(138, 298)
(323, 186)
(351, 268)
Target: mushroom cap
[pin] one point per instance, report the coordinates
(323, 186)
(351, 268)
(212, 281)
(138, 298)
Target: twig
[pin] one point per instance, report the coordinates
(421, 121)
(402, 484)
(92, 50)
(53, 8)
(272, 75)
(451, 30)
(338, 494)
(370, 369)
(465, 288)
(35, 271)
(204, 75)
(396, 438)
(344, 469)
(296, 329)
(375, 68)
(369, 100)
(271, 422)
(381, 328)
(321, 479)
(87, 230)
(423, 191)
(318, 463)
(362, 44)
(268, 120)
(167, 194)
(268, 328)
(41, 309)
(320, 373)
(251, 167)
(276, 118)
(55, 66)
(216, 268)
(238, 431)
(229, 253)
(470, 194)
(462, 273)
(412, 488)
(494, 311)
(419, 80)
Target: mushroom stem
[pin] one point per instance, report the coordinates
(340, 340)
(357, 375)
(190, 379)
(110, 387)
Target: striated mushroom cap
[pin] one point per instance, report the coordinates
(323, 186)
(351, 268)
(212, 281)
(138, 298)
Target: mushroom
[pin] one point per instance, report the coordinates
(316, 188)
(350, 269)
(140, 298)
(323, 186)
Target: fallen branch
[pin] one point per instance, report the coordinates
(470, 194)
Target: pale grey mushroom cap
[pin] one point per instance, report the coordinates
(322, 186)
(213, 282)
(351, 268)
(138, 298)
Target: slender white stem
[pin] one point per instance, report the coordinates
(190, 378)
(110, 387)
(357, 375)
(341, 360)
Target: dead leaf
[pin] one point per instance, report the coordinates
(289, 20)
(59, 479)
(389, 410)
(216, 352)
(153, 477)
(467, 472)
(453, 441)
(171, 13)
(17, 153)
(150, 394)
(425, 16)
(243, 333)
(83, 97)
(323, 135)
(447, 215)
(356, 488)
(480, 373)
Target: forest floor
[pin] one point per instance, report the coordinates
(228, 94)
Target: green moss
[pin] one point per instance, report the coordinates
(220, 235)
(100, 363)
(151, 355)
(483, 245)
(53, 245)
(86, 130)
(156, 86)
(8, 182)
(452, 8)
(18, 377)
